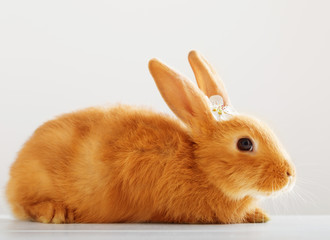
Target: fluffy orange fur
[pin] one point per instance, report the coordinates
(127, 164)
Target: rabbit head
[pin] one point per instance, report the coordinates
(240, 155)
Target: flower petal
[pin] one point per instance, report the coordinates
(216, 100)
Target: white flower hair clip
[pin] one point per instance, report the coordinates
(219, 110)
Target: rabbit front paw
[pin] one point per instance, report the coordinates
(256, 216)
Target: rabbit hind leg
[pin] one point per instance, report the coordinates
(49, 212)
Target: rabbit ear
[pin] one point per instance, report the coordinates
(207, 78)
(180, 94)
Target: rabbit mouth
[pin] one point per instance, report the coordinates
(290, 184)
(285, 189)
(274, 193)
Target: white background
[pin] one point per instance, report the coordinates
(60, 56)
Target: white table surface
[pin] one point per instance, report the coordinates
(279, 228)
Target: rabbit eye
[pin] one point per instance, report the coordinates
(245, 144)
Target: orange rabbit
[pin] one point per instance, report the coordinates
(127, 164)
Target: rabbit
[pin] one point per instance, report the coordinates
(127, 164)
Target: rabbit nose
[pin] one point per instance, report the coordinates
(289, 169)
(290, 172)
